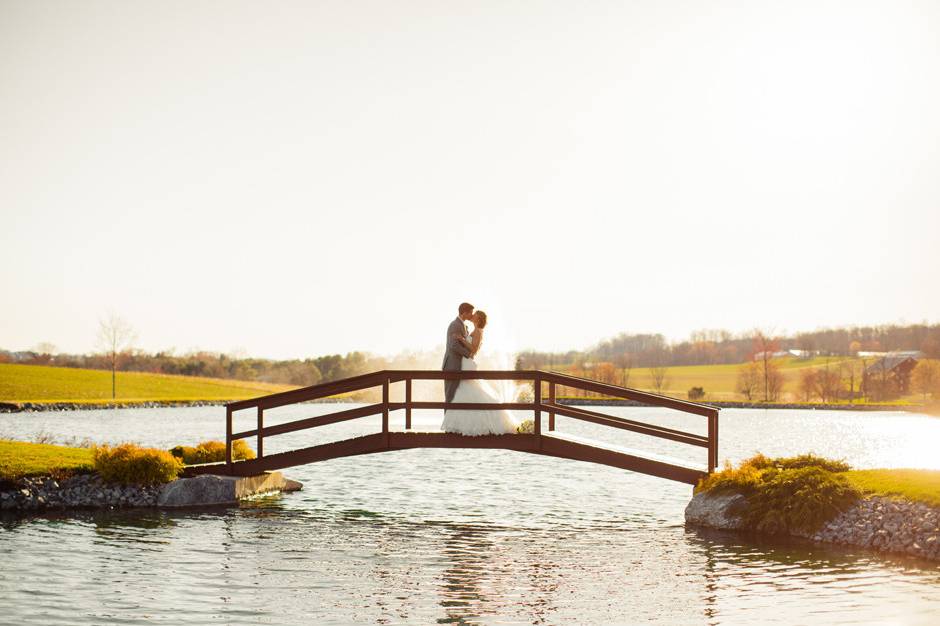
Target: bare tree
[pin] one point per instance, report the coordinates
(624, 363)
(851, 371)
(115, 336)
(45, 348)
(807, 385)
(659, 377)
(926, 378)
(749, 380)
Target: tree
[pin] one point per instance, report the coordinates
(115, 336)
(659, 377)
(774, 381)
(926, 378)
(827, 383)
(764, 348)
(807, 384)
(624, 363)
(852, 371)
(749, 380)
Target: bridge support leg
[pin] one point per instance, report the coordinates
(385, 412)
(408, 404)
(537, 417)
(260, 435)
(551, 400)
(228, 439)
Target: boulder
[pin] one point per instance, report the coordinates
(721, 511)
(209, 489)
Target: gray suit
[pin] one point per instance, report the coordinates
(453, 352)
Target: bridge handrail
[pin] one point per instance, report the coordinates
(384, 378)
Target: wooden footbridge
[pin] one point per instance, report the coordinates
(540, 441)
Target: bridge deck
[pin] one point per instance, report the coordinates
(549, 444)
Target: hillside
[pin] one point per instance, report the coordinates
(44, 384)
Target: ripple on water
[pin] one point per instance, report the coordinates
(437, 536)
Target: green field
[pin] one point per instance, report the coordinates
(720, 381)
(918, 485)
(19, 459)
(44, 384)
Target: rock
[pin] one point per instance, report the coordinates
(721, 511)
(208, 489)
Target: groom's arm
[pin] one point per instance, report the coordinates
(453, 344)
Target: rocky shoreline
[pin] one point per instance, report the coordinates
(875, 523)
(90, 491)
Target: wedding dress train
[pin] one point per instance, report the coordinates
(477, 422)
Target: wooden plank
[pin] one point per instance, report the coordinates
(438, 439)
(625, 424)
(555, 446)
(366, 444)
(465, 406)
(313, 392)
(313, 422)
(228, 437)
(631, 394)
(260, 431)
(399, 375)
(408, 404)
(551, 400)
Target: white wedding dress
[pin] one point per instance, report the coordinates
(473, 422)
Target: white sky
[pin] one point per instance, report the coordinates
(297, 178)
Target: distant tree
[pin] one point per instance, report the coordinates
(851, 371)
(749, 380)
(774, 381)
(115, 336)
(764, 348)
(659, 377)
(45, 348)
(827, 383)
(624, 362)
(696, 393)
(807, 384)
(926, 378)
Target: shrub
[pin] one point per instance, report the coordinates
(798, 493)
(526, 427)
(212, 452)
(696, 393)
(128, 463)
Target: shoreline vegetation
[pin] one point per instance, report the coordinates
(40, 476)
(26, 388)
(824, 500)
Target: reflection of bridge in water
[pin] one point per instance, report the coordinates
(550, 443)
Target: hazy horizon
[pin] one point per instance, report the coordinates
(321, 178)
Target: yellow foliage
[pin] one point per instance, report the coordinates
(128, 463)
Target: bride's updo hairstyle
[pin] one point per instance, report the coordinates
(482, 317)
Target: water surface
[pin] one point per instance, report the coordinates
(460, 536)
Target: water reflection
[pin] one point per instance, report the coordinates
(434, 536)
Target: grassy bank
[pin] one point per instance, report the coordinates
(802, 493)
(44, 384)
(916, 485)
(19, 459)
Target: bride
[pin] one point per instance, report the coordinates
(476, 422)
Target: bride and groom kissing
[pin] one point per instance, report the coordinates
(460, 349)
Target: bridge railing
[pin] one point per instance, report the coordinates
(540, 404)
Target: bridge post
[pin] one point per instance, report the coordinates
(260, 435)
(551, 400)
(385, 412)
(537, 420)
(407, 404)
(712, 442)
(228, 439)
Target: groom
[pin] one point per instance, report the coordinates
(454, 350)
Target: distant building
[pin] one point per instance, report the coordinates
(890, 375)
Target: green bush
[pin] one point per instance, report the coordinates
(212, 452)
(128, 463)
(799, 493)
